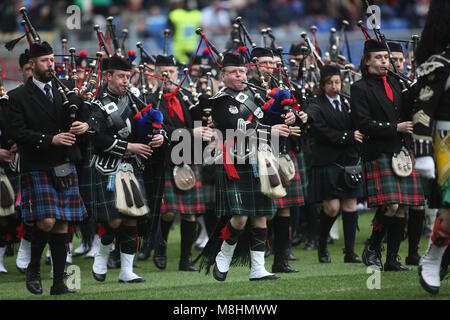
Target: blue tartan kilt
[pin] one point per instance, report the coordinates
(40, 200)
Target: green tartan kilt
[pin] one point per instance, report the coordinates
(384, 187)
(241, 197)
(105, 201)
(183, 202)
(294, 193)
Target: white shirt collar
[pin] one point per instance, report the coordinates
(40, 84)
(331, 100)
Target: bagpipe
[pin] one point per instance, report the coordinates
(148, 120)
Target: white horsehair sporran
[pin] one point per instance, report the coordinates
(129, 198)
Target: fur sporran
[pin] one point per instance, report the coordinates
(129, 198)
(402, 163)
(273, 180)
(6, 196)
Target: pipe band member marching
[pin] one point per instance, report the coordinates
(239, 201)
(121, 198)
(277, 110)
(335, 149)
(390, 179)
(182, 189)
(416, 214)
(49, 184)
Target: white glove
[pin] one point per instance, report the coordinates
(425, 167)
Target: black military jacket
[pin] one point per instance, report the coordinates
(33, 121)
(377, 116)
(332, 131)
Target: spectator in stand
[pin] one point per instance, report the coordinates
(216, 18)
(134, 13)
(41, 13)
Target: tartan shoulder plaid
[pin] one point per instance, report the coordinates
(384, 187)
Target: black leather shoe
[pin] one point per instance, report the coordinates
(219, 276)
(372, 258)
(299, 238)
(99, 277)
(352, 257)
(291, 257)
(136, 280)
(412, 259)
(33, 282)
(310, 245)
(160, 257)
(145, 253)
(283, 268)
(113, 262)
(186, 266)
(60, 288)
(324, 255)
(426, 286)
(269, 277)
(393, 264)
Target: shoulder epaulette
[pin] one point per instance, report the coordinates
(433, 63)
(219, 94)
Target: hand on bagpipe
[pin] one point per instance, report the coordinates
(148, 123)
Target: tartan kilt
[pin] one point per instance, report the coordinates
(105, 201)
(40, 200)
(294, 193)
(183, 202)
(384, 187)
(241, 197)
(327, 182)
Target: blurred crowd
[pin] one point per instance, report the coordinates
(152, 16)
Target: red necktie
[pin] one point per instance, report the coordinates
(388, 89)
(173, 104)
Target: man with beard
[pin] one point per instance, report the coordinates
(50, 196)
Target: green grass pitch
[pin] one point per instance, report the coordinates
(315, 281)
